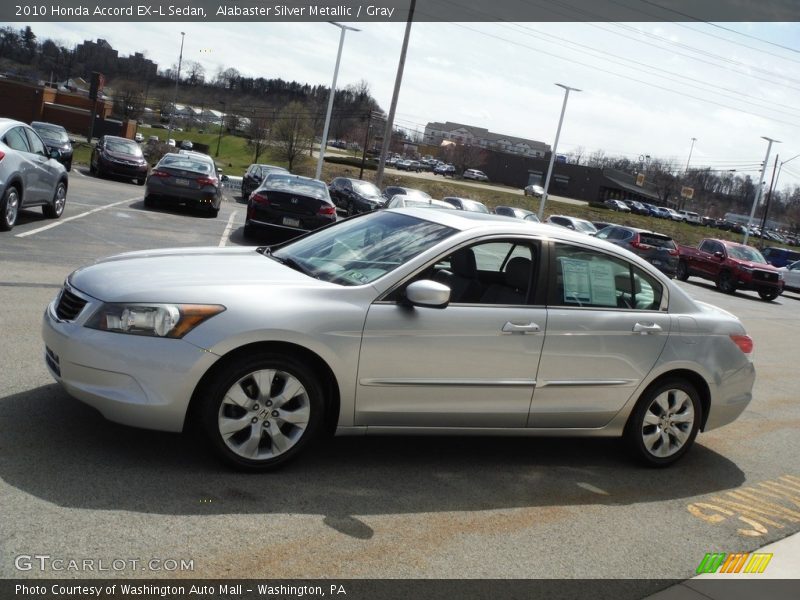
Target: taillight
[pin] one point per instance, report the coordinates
(157, 173)
(327, 209)
(744, 342)
(207, 181)
(636, 243)
(2, 155)
(673, 252)
(257, 198)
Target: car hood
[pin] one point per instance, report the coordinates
(183, 275)
(753, 265)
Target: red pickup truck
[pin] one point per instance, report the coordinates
(730, 266)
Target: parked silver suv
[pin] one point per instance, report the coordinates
(29, 174)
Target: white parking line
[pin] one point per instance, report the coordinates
(227, 233)
(73, 217)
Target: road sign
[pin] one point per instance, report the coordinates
(687, 192)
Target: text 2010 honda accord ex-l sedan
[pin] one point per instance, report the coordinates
(399, 321)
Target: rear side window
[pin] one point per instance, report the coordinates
(585, 278)
(17, 140)
(37, 147)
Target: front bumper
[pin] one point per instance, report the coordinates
(134, 380)
(122, 170)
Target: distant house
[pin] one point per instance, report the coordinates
(437, 133)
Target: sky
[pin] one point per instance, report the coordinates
(646, 88)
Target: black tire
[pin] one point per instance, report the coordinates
(68, 165)
(683, 271)
(141, 181)
(232, 397)
(725, 283)
(248, 232)
(9, 208)
(768, 295)
(56, 207)
(93, 167)
(149, 202)
(646, 440)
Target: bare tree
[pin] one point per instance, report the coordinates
(195, 73)
(292, 132)
(464, 156)
(576, 156)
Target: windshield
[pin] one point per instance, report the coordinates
(359, 251)
(180, 161)
(745, 253)
(584, 226)
(123, 147)
(50, 134)
(365, 188)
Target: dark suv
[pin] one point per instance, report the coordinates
(658, 249)
(55, 138)
(780, 257)
(354, 196)
(119, 157)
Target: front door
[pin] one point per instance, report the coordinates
(471, 364)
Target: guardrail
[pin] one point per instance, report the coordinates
(232, 183)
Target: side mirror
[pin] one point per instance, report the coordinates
(224, 177)
(428, 293)
(55, 153)
(719, 255)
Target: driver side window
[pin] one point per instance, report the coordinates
(491, 273)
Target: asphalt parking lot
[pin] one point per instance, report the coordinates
(73, 485)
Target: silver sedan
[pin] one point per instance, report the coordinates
(399, 321)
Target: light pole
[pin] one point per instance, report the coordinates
(221, 127)
(567, 90)
(324, 141)
(772, 187)
(175, 95)
(760, 192)
(688, 160)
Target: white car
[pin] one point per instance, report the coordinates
(412, 321)
(579, 225)
(533, 190)
(791, 277)
(171, 142)
(412, 200)
(138, 138)
(691, 217)
(475, 174)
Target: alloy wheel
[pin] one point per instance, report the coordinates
(667, 423)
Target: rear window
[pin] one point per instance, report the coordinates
(123, 147)
(178, 161)
(290, 183)
(659, 241)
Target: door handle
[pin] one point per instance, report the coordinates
(646, 328)
(510, 327)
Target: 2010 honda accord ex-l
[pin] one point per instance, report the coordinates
(399, 321)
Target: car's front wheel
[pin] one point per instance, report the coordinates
(664, 423)
(56, 208)
(259, 413)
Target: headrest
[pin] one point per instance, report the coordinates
(518, 272)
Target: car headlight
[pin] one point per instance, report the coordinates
(745, 269)
(156, 320)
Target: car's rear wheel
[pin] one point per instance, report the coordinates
(683, 271)
(664, 423)
(725, 282)
(259, 413)
(9, 208)
(56, 208)
(768, 295)
(68, 165)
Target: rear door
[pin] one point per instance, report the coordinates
(46, 170)
(606, 327)
(16, 139)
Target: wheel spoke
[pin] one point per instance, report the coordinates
(664, 449)
(650, 439)
(291, 388)
(663, 403)
(684, 417)
(680, 436)
(298, 418)
(227, 427)
(250, 447)
(280, 443)
(650, 418)
(263, 381)
(237, 397)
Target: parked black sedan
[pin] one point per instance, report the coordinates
(290, 203)
(354, 196)
(119, 157)
(254, 175)
(185, 179)
(55, 138)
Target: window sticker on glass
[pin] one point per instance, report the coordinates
(588, 282)
(577, 288)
